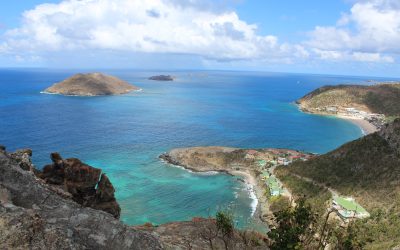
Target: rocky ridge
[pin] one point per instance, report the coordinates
(35, 214)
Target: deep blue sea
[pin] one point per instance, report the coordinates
(124, 135)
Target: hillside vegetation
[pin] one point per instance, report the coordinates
(369, 170)
(380, 98)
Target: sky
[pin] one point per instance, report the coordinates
(345, 37)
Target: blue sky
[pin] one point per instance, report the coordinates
(289, 19)
(356, 37)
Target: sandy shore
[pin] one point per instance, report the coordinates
(224, 160)
(366, 127)
(250, 179)
(257, 194)
(259, 204)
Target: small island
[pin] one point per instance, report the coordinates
(164, 78)
(92, 84)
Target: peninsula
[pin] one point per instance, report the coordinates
(253, 165)
(367, 106)
(92, 84)
(162, 78)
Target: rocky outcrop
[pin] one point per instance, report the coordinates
(34, 216)
(162, 78)
(92, 84)
(87, 185)
(23, 158)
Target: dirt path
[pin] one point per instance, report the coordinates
(333, 191)
(287, 193)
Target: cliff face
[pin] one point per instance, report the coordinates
(37, 215)
(92, 84)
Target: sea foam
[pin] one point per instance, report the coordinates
(253, 197)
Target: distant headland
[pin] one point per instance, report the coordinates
(370, 107)
(162, 78)
(92, 84)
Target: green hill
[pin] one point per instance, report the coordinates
(369, 170)
(380, 98)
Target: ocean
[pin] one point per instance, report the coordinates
(124, 135)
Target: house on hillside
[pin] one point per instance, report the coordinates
(274, 186)
(331, 109)
(347, 208)
(262, 163)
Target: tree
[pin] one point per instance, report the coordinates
(347, 239)
(293, 227)
(225, 225)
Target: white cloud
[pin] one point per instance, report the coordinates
(153, 26)
(333, 55)
(371, 57)
(370, 33)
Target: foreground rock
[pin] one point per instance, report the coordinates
(93, 84)
(201, 233)
(162, 78)
(36, 215)
(87, 185)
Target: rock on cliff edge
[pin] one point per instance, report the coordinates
(87, 185)
(56, 212)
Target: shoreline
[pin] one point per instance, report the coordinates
(56, 93)
(365, 126)
(250, 180)
(254, 187)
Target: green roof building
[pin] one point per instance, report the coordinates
(348, 208)
(262, 163)
(274, 187)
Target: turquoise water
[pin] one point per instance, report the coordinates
(124, 135)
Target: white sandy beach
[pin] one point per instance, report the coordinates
(365, 126)
(254, 189)
(248, 177)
